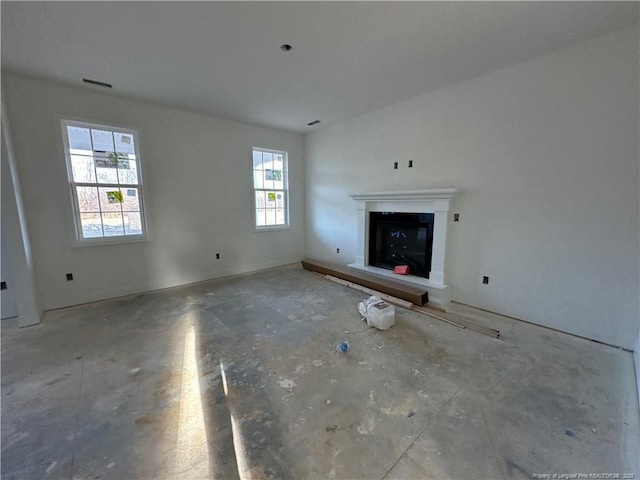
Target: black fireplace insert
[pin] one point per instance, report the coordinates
(401, 239)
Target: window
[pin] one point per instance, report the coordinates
(270, 185)
(103, 164)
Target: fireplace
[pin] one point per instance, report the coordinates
(423, 204)
(401, 239)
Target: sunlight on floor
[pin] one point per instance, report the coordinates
(192, 451)
(244, 471)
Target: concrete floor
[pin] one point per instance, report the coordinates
(240, 377)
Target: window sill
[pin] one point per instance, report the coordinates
(98, 242)
(271, 229)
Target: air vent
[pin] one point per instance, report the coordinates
(315, 122)
(95, 82)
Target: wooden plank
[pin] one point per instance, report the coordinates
(417, 296)
(437, 315)
(388, 298)
(458, 320)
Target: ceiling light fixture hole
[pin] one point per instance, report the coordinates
(285, 47)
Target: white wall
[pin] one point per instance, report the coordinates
(546, 154)
(198, 180)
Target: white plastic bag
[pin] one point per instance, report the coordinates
(378, 313)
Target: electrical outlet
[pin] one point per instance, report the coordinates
(395, 165)
(69, 277)
(3, 285)
(410, 163)
(337, 250)
(217, 256)
(485, 280)
(456, 217)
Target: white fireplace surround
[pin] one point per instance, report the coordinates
(434, 200)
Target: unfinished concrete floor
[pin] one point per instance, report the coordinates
(240, 378)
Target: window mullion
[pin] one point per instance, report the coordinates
(115, 156)
(95, 169)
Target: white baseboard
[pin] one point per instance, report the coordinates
(122, 291)
(636, 358)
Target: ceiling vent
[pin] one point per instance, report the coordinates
(95, 82)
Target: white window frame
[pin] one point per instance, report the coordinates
(285, 190)
(79, 239)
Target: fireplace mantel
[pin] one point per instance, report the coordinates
(408, 195)
(434, 200)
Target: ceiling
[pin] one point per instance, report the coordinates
(348, 58)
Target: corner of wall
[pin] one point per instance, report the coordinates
(16, 234)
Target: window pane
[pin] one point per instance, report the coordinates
(273, 177)
(111, 160)
(277, 179)
(102, 140)
(267, 165)
(130, 199)
(112, 224)
(260, 200)
(280, 216)
(271, 216)
(132, 223)
(128, 175)
(257, 159)
(110, 199)
(82, 167)
(268, 178)
(271, 199)
(91, 224)
(260, 217)
(278, 171)
(258, 179)
(107, 175)
(88, 199)
(79, 138)
(124, 143)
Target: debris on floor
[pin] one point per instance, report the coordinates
(379, 314)
(342, 347)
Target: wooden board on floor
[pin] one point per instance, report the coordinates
(415, 295)
(457, 320)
